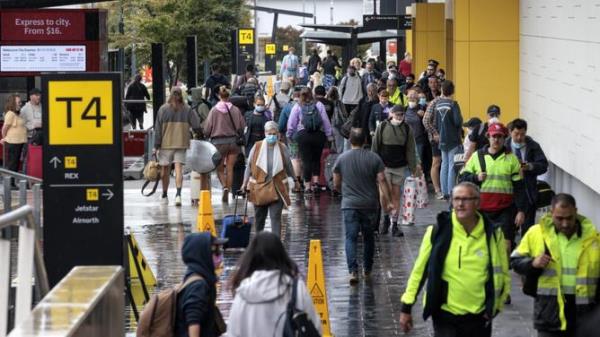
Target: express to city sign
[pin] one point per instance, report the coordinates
(42, 26)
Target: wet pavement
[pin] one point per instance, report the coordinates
(369, 309)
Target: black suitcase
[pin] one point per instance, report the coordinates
(237, 228)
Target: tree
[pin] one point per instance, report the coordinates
(290, 36)
(170, 22)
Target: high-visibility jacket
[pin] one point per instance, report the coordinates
(398, 98)
(503, 183)
(549, 313)
(436, 252)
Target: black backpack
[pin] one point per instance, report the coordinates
(297, 323)
(311, 118)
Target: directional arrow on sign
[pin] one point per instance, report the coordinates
(109, 194)
(55, 161)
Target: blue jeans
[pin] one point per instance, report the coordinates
(447, 174)
(362, 220)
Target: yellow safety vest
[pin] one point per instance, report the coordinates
(587, 272)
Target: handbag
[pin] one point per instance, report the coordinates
(240, 140)
(262, 194)
(410, 197)
(422, 195)
(151, 174)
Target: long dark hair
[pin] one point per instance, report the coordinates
(265, 252)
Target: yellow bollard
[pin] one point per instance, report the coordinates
(206, 220)
(315, 283)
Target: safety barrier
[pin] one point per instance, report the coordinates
(29, 254)
(88, 302)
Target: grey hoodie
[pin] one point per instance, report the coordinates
(260, 303)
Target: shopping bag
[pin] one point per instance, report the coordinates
(409, 195)
(422, 195)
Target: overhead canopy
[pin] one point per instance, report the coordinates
(340, 38)
(43, 3)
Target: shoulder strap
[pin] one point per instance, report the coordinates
(407, 130)
(292, 302)
(193, 278)
(481, 157)
(380, 138)
(153, 187)
(231, 119)
(276, 102)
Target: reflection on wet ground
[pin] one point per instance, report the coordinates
(370, 309)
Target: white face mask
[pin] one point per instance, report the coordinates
(412, 104)
(395, 122)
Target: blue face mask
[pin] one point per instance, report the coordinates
(422, 101)
(260, 108)
(518, 145)
(271, 139)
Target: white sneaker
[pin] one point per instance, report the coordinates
(164, 201)
(178, 200)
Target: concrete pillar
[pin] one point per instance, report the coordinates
(483, 51)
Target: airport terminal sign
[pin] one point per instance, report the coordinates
(83, 172)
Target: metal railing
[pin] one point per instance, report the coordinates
(88, 302)
(29, 254)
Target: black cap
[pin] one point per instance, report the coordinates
(493, 110)
(472, 122)
(433, 62)
(35, 91)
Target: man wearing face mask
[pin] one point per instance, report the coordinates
(533, 163)
(414, 118)
(394, 142)
(351, 89)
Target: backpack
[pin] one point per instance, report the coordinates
(340, 115)
(297, 323)
(311, 118)
(158, 317)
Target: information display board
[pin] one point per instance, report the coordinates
(42, 58)
(83, 178)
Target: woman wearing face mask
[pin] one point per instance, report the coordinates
(196, 302)
(14, 133)
(266, 178)
(255, 121)
(394, 142)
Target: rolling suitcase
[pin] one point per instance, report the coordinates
(237, 228)
(322, 180)
(34, 160)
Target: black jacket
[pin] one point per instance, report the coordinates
(137, 90)
(533, 155)
(195, 304)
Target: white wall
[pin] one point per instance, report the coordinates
(344, 10)
(560, 91)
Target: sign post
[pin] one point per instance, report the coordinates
(385, 22)
(271, 58)
(244, 48)
(83, 178)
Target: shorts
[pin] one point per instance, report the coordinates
(167, 157)
(504, 219)
(395, 176)
(228, 149)
(435, 150)
(293, 147)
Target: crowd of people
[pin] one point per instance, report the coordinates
(376, 127)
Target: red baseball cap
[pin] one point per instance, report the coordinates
(497, 129)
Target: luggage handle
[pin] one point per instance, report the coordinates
(235, 215)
